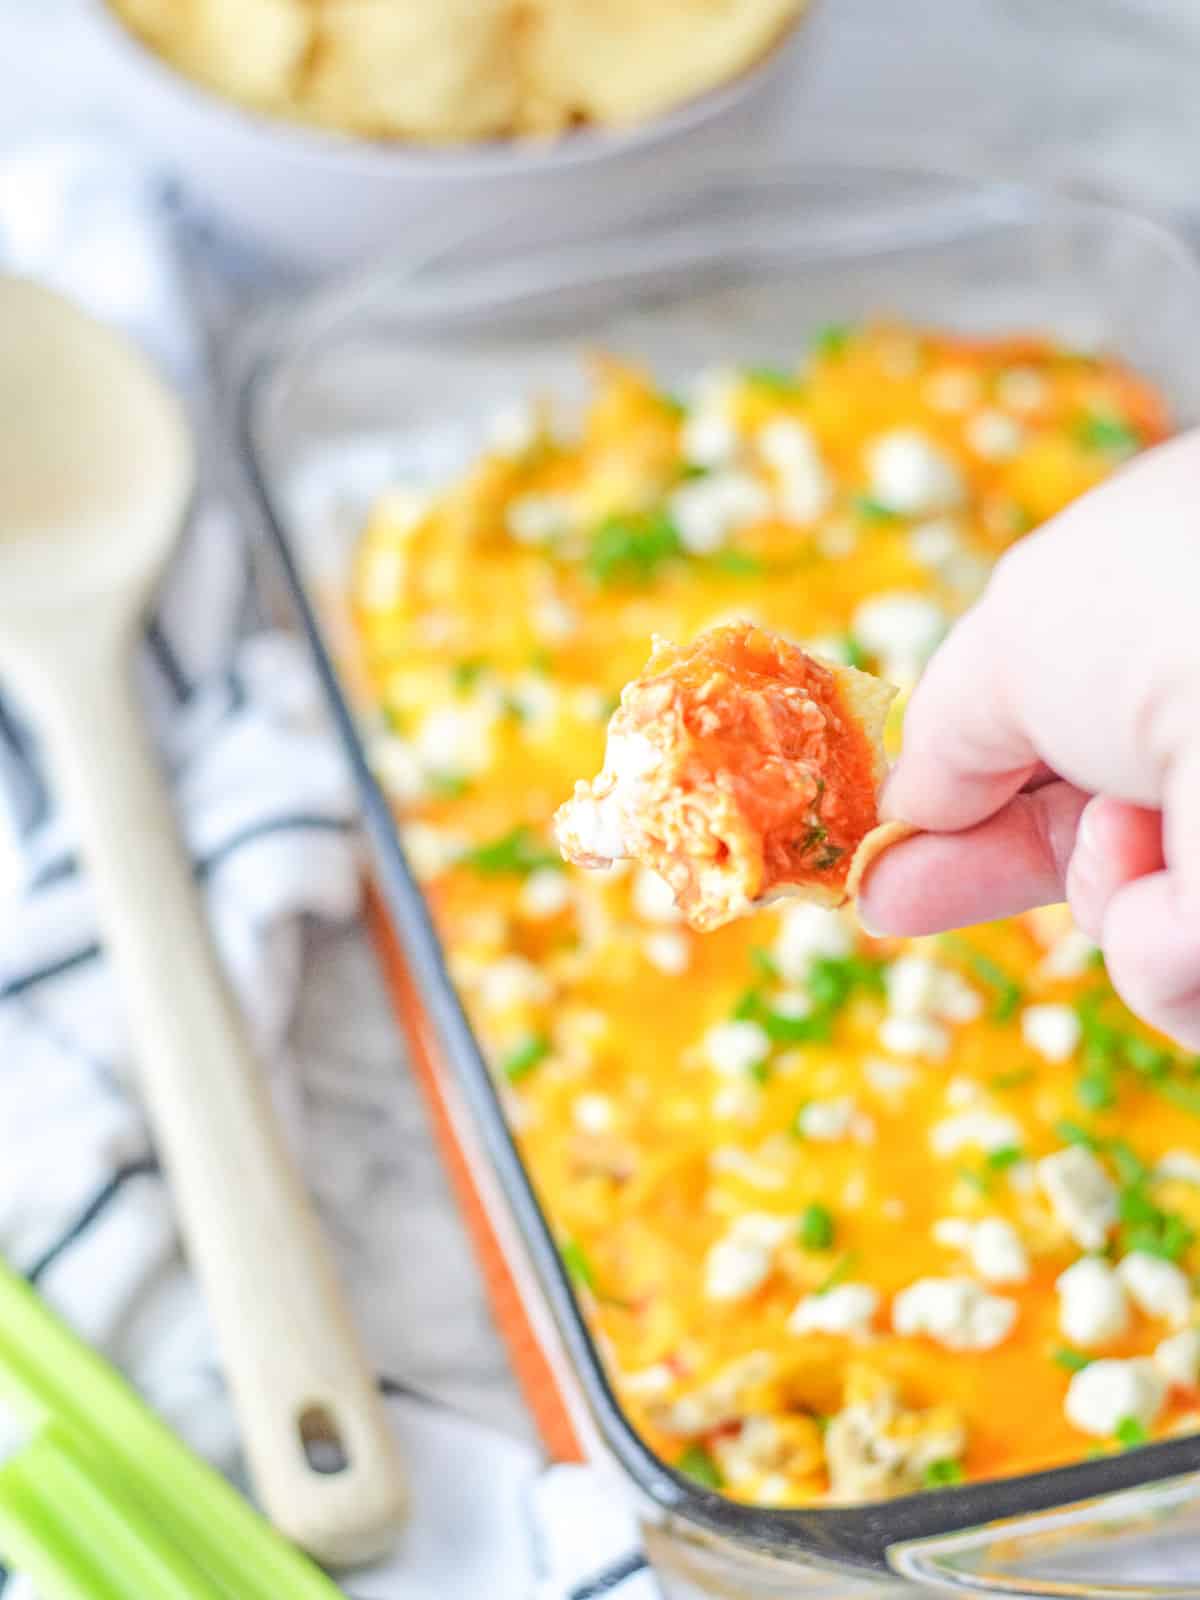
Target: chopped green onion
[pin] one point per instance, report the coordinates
(816, 1227)
(979, 1181)
(760, 1071)
(520, 1062)
(764, 961)
(737, 563)
(518, 852)
(1007, 991)
(1075, 1133)
(842, 1269)
(1005, 1156)
(749, 1006)
(1130, 1433)
(1071, 1360)
(782, 1029)
(775, 378)
(631, 549)
(869, 509)
(940, 1474)
(1012, 1080)
(697, 1463)
(579, 1267)
(1096, 1090)
(832, 339)
(1111, 435)
(448, 785)
(854, 653)
(1184, 1095)
(466, 674)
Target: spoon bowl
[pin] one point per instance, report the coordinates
(96, 458)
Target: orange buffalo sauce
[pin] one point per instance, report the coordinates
(764, 763)
(756, 1144)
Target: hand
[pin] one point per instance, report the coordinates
(1052, 747)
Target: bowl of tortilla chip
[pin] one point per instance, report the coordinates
(321, 129)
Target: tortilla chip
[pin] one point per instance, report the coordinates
(434, 72)
(872, 847)
(619, 61)
(741, 769)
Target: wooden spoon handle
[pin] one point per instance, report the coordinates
(320, 1452)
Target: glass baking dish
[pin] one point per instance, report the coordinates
(392, 377)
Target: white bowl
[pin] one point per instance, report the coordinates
(321, 200)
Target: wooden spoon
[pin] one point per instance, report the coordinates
(96, 471)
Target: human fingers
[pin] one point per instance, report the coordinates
(1013, 861)
(1152, 951)
(1116, 844)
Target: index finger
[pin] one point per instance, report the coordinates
(965, 752)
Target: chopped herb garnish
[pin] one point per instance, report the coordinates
(1076, 1133)
(760, 1072)
(466, 674)
(1184, 1095)
(940, 1474)
(691, 470)
(517, 852)
(869, 509)
(631, 549)
(579, 1267)
(1130, 1433)
(776, 378)
(811, 838)
(854, 653)
(764, 962)
(782, 1029)
(832, 339)
(1071, 1360)
(1146, 1226)
(816, 1227)
(842, 1269)
(980, 1181)
(1109, 434)
(1005, 988)
(1005, 1156)
(832, 981)
(749, 1006)
(737, 563)
(672, 403)
(697, 1463)
(520, 1061)
(448, 785)
(1012, 1080)
(829, 857)
(1096, 1089)
(1146, 1058)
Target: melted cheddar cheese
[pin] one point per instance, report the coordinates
(818, 1192)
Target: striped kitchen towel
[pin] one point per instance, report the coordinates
(267, 811)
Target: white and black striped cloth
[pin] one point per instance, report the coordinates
(266, 808)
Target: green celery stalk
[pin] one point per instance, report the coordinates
(132, 1554)
(47, 1372)
(34, 1540)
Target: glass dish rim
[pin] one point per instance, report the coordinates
(853, 1535)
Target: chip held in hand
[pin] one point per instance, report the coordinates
(741, 769)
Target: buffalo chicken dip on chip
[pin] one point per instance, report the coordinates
(739, 768)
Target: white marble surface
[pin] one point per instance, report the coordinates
(1086, 90)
